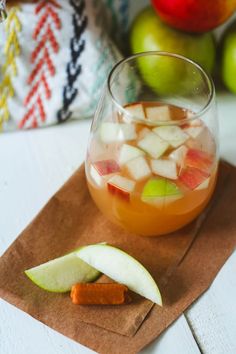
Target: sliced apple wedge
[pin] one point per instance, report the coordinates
(156, 113)
(129, 152)
(121, 186)
(122, 268)
(174, 135)
(164, 168)
(153, 145)
(138, 168)
(58, 275)
(116, 132)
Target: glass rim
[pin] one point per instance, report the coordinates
(196, 115)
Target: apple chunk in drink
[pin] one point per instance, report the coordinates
(155, 181)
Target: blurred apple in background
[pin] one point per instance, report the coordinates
(228, 58)
(194, 15)
(149, 33)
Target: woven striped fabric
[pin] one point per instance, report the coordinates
(55, 58)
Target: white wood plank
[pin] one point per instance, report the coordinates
(213, 316)
(178, 339)
(34, 164)
(21, 334)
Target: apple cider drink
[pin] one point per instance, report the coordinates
(150, 178)
(152, 158)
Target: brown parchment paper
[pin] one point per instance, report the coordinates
(183, 263)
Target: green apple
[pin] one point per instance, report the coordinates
(122, 268)
(166, 75)
(158, 191)
(58, 275)
(228, 70)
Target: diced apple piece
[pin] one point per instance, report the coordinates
(129, 152)
(97, 178)
(138, 168)
(195, 122)
(143, 132)
(121, 186)
(110, 132)
(103, 168)
(174, 135)
(128, 131)
(106, 167)
(178, 155)
(164, 168)
(136, 111)
(203, 185)
(156, 113)
(194, 131)
(190, 114)
(203, 142)
(192, 177)
(116, 132)
(199, 159)
(153, 145)
(160, 191)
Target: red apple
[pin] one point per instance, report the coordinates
(194, 15)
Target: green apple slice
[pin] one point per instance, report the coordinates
(122, 268)
(158, 191)
(58, 275)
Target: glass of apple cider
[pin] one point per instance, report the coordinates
(152, 156)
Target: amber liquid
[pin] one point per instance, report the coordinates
(142, 218)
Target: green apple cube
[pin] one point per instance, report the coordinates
(59, 274)
(158, 191)
(173, 134)
(153, 145)
(122, 268)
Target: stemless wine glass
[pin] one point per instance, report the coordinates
(152, 156)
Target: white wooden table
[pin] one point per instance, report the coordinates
(34, 164)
